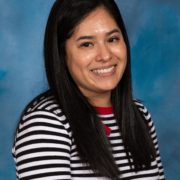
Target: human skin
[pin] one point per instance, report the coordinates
(97, 56)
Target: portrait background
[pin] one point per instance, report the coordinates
(154, 33)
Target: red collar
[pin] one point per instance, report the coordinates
(105, 111)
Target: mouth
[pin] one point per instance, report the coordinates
(104, 71)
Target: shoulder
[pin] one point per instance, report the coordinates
(142, 108)
(145, 113)
(44, 112)
(44, 102)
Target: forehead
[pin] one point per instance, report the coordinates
(100, 20)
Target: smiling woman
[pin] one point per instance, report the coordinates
(87, 126)
(101, 59)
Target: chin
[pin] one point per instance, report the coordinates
(108, 88)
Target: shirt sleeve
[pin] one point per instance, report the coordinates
(42, 147)
(153, 134)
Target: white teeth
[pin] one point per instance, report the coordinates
(105, 70)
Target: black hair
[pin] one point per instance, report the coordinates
(87, 130)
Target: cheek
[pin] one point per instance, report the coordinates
(76, 66)
(82, 61)
(121, 53)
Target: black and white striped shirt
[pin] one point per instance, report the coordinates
(44, 147)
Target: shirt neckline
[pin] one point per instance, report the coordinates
(104, 110)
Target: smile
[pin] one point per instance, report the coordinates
(104, 70)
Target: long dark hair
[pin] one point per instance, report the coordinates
(87, 131)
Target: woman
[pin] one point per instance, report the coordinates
(87, 126)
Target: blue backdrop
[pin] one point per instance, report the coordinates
(154, 32)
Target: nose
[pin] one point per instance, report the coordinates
(103, 53)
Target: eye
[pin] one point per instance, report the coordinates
(86, 44)
(113, 39)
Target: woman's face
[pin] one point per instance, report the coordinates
(96, 54)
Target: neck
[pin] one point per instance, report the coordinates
(100, 100)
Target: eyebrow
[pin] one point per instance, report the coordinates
(114, 31)
(91, 37)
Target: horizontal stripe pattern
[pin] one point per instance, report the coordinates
(44, 148)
